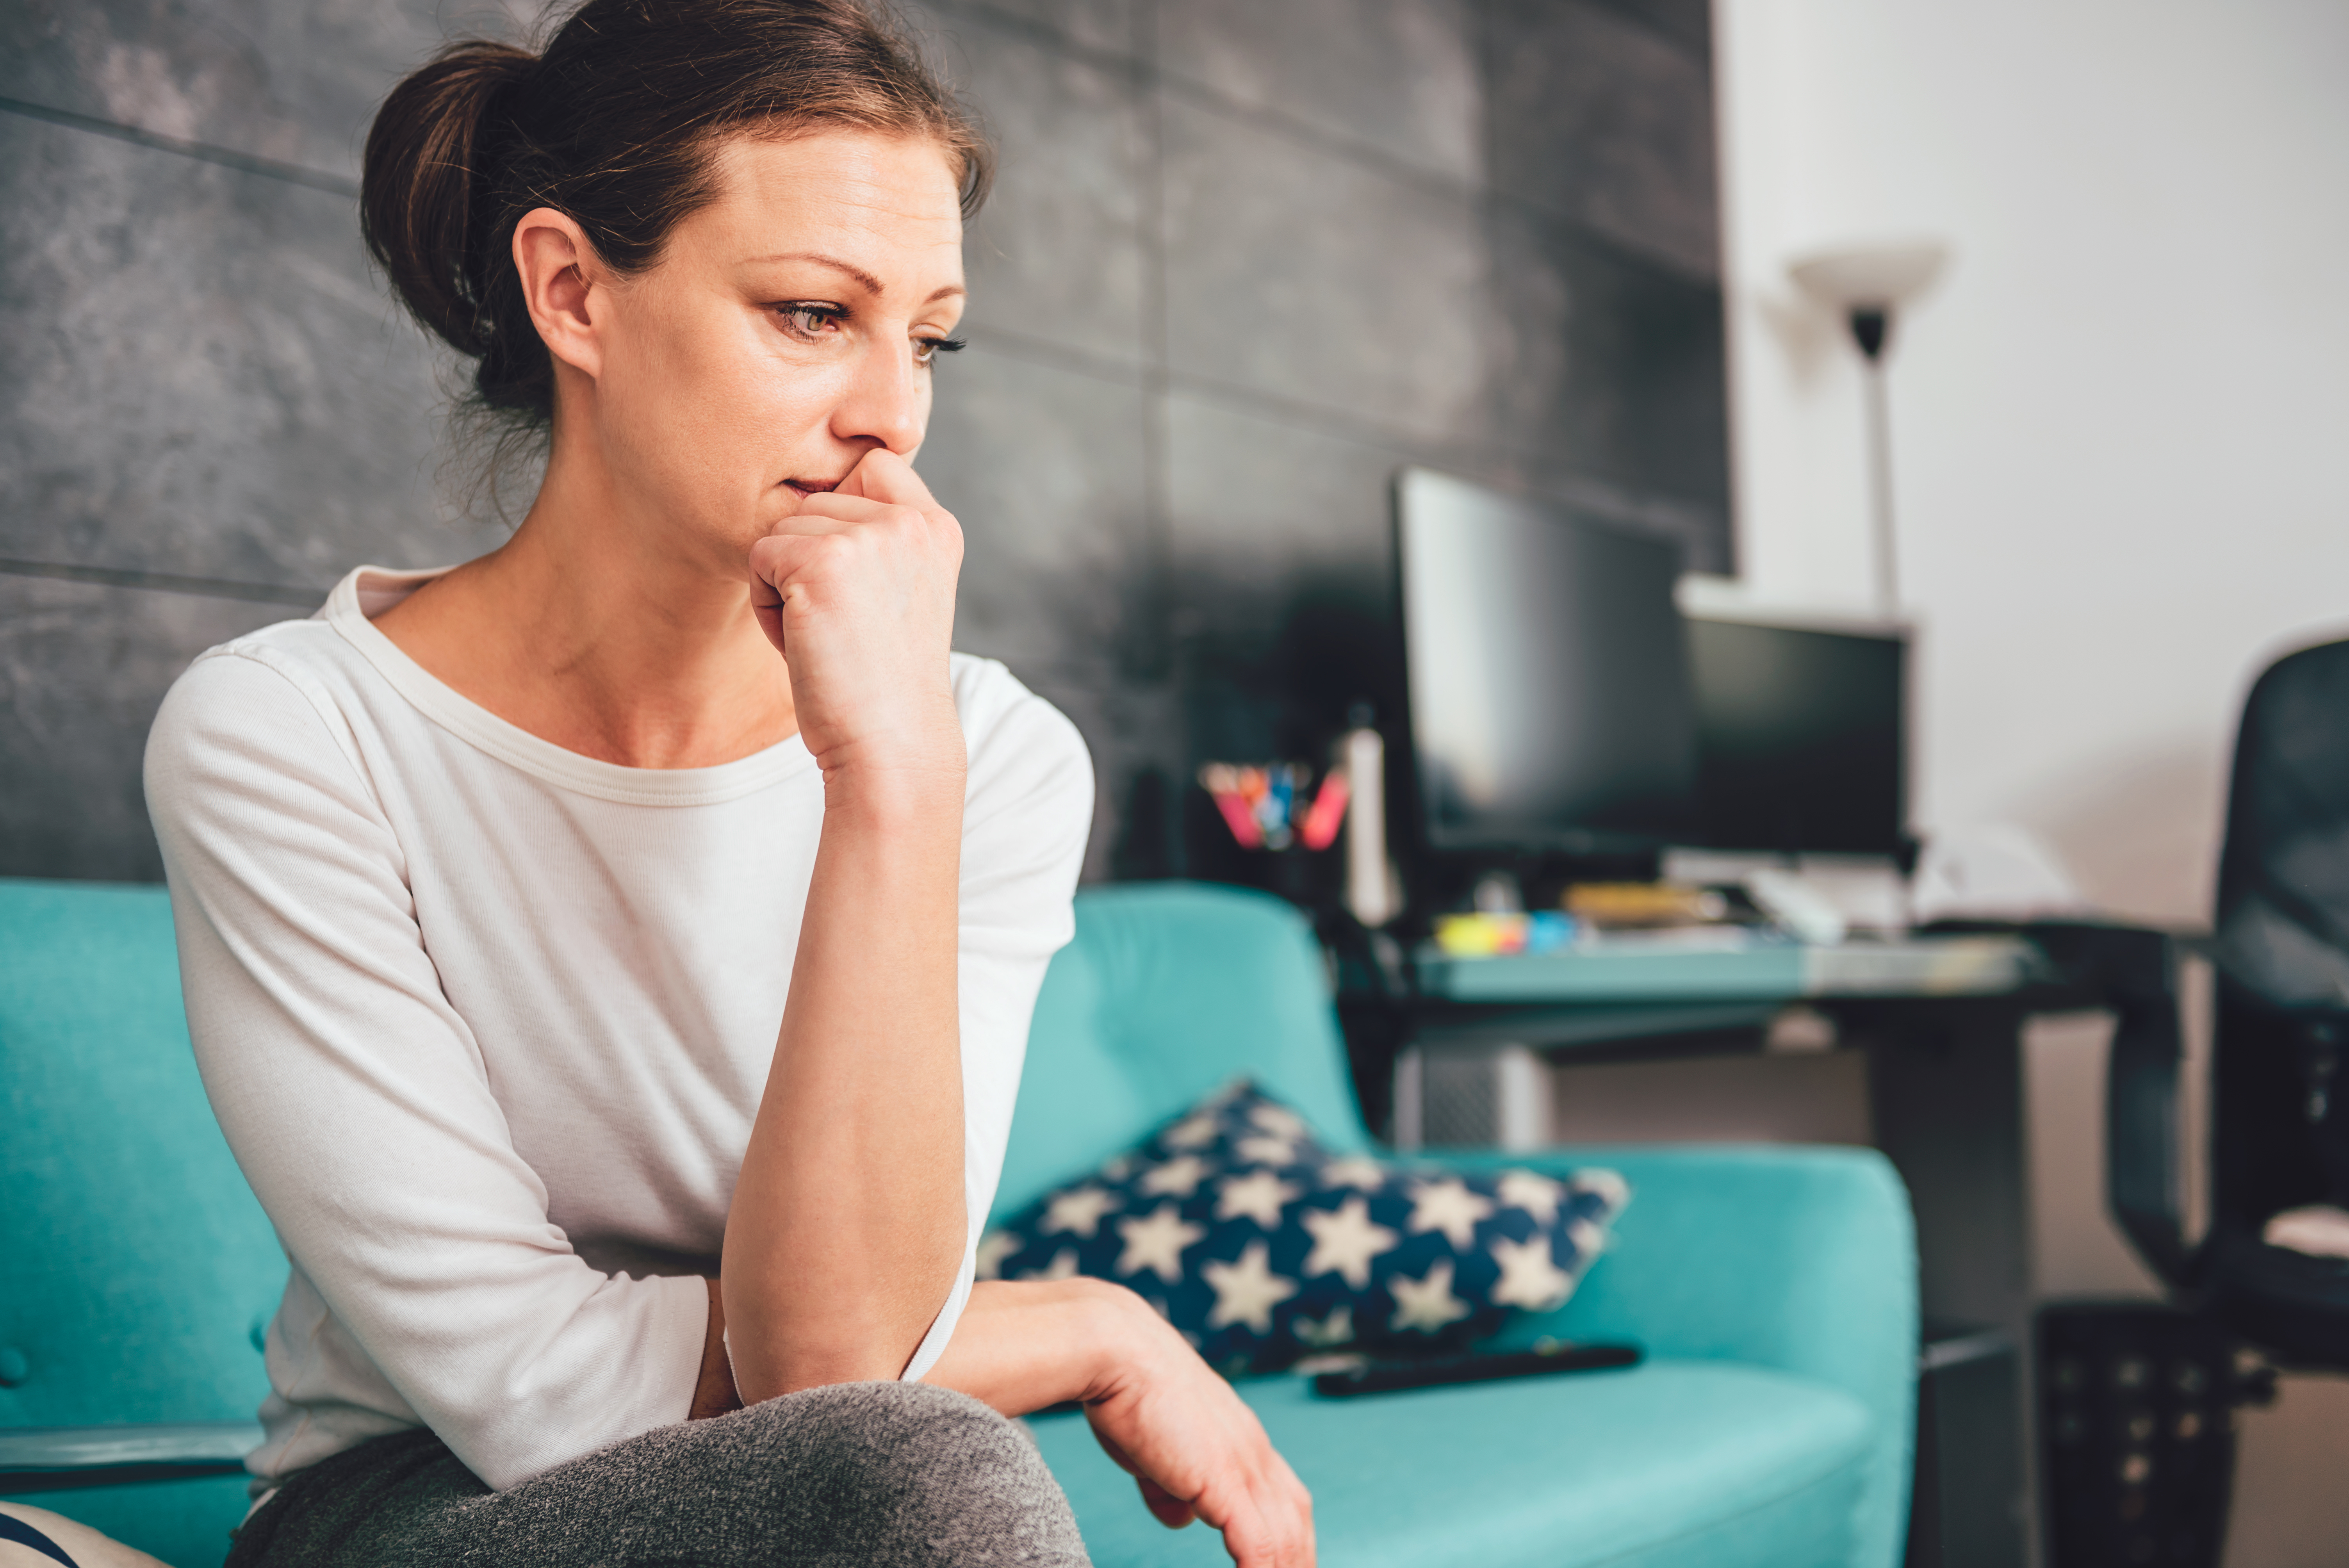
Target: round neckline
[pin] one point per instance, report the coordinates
(369, 591)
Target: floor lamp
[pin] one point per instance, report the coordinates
(1868, 285)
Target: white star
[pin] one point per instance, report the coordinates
(1530, 1278)
(1589, 1239)
(1247, 1291)
(1337, 1329)
(1266, 1150)
(1157, 1243)
(1193, 1131)
(1448, 1206)
(1427, 1305)
(1181, 1176)
(1259, 1195)
(1079, 1210)
(1606, 1185)
(993, 1248)
(1278, 1120)
(1063, 1266)
(1345, 1241)
(1537, 1195)
(1367, 1174)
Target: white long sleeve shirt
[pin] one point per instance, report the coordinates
(487, 1022)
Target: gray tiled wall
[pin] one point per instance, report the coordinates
(1245, 259)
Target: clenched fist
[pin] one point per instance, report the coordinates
(857, 592)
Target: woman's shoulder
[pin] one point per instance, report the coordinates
(250, 683)
(1015, 738)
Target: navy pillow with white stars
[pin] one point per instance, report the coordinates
(1262, 1247)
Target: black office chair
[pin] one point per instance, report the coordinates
(2279, 1137)
(2136, 1400)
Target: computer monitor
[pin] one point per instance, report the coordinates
(1803, 743)
(1546, 673)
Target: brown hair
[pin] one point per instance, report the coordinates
(616, 125)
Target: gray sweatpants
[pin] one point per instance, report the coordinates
(858, 1474)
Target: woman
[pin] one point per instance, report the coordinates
(611, 958)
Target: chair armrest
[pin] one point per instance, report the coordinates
(2133, 972)
(52, 1455)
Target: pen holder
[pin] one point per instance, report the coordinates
(1270, 825)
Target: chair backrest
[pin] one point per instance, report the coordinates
(135, 1264)
(1169, 990)
(2284, 945)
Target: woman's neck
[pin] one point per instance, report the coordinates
(590, 630)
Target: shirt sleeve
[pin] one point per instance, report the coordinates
(358, 1103)
(1027, 813)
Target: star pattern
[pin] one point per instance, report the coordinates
(1447, 1205)
(1278, 1120)
(1530, 1278)
(1194, 1132)
(1180, 1177)
(1246, 1291)
(1259, 1195)
(1345, 1241)
(1157, 1243)
(1259, 1247)
(1063, 1266)
(1078, 1211)
(1331, 1332)
(1537, 1195)
(1427, 1305)
(993, 1248)
(1265, 1149)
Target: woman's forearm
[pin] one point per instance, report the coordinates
(1029, 1345)
(849, 1222)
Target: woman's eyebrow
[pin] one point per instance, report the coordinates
(864, 280)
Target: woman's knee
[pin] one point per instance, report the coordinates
(919, 1471)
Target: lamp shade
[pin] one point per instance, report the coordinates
(1870, 277)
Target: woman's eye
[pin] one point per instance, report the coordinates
(926, 350)
(809, 322)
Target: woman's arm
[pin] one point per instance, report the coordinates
(849, 1222)
(1192, 1445)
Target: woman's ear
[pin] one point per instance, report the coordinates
(563, 285)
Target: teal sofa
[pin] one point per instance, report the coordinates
(1774, 1288)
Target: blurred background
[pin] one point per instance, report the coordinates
(1247, 259)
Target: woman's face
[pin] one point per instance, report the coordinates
(788, 328)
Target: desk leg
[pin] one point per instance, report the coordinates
(1946, 1091)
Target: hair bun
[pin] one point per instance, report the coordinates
(430, 159)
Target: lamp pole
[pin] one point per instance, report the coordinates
(1871, 326)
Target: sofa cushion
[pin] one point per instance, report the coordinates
(1244, 1232)
(1671, 1463)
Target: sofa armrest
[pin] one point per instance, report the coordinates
(1798, 1258)
(41, 1458)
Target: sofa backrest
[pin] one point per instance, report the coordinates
(1169, 990)
(137, 1263)
(140, 1267)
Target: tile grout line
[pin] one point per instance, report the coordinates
(166, 582)
(243, 163)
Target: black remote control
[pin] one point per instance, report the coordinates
(1386, 1376)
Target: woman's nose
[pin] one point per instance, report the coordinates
(884, 403)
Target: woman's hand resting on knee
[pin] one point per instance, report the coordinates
(1195, 1448)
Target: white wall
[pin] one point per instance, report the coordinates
(2121, 429)
(2121, 423)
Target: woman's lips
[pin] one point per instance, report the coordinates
(805, 487)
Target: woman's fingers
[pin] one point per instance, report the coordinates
(882, 475)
